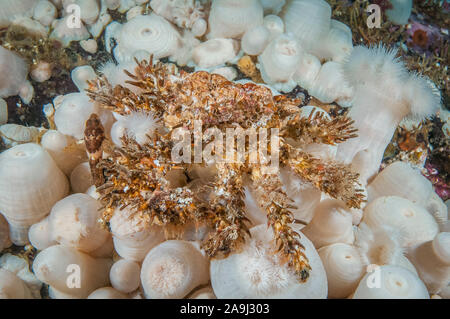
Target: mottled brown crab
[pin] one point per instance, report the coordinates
(136, 176)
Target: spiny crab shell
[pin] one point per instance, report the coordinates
(137, 176)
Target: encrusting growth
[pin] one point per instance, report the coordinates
(140, 177)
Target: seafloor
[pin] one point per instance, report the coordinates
(425, 52)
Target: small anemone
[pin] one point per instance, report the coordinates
(422, 95)
(136, 125)
(116, 73)
(381, 247)
(261, 271)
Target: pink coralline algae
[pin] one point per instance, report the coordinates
(440, 186)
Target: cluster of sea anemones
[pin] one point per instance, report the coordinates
(92, 196)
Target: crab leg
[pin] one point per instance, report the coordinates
(335, 179)
(276, 203)
(228, 215)
(318, 129)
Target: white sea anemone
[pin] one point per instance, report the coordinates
(89, 45)
(73, 222)
(255, 40)
(89, 9)
(414, 223)
(331, 223)
(112, 4)
(72, 114)
(329, 85)
(124, 275)
(51, 265)
(272, 6)
(81, 178)
(11, 9)
(432, 260)
(39, 235)
(45, 12)
(436, 207)
(381, 100)
(381, 246)
(258, 272)
(307, 71)
(344, 267)
(401, 179)
(81, 74)
(96, 29)
(204, 293)
(274, 24)
(183, 13)
(172, 269)
(392, 282)
(279, 62)
(227, 72)
(137, 125)
(12, 287)
(308, 20)
(231, 18)
(151, 33)
(64, 150)
(64, 33)
(20, 267)
(15, 134)
(377, 67)
(107, 293)
(337, 44)
(253, 211)
(16, 82)
(132, 236)
(30, 165)
(305, 196)
(199, 28)
(214, 52)
(422, 96)
(116, 73)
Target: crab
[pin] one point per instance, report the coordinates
(139, 176)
